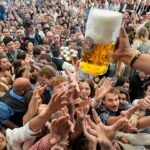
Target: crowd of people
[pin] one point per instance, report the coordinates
(47, 102)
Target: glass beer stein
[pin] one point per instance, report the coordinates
(102, 30)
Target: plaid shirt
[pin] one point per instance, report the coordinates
(104, 114)
(42, 144)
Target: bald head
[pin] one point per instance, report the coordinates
(21, 85)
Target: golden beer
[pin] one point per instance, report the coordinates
(101, 33)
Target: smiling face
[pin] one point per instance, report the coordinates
(85, 90)
(111, 102)
(4, 64)
(2, 141)
(122, 99)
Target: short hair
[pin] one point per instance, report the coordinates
(21, 55)
(123, 91)
(7, 39)
(48, 71)
(16, 64)
(37, 50)
(19, 73)
(45, 56)
(113, 90)
(121, 81)
(25, 44)
(52, 64)
(146, 85)
(57, 81)
(27, 23)
(56, 51)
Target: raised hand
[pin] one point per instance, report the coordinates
(73, 79)
(57, 101)
(144, 103)
(101, 91)
(109, 130)
(75, 75)
(36, 100)
(124, 48)
(99, 132)
(60, 128)
(127, 113)
(83, 108)
(130, 127)
(34, 104)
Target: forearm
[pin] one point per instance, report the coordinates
(112, 120)
(37, 123)
(139, 63)
(20, 21)
(27, 117)
(144, 123)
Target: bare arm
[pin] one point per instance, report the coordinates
(125, 54)
(144, 123)
(112, 120)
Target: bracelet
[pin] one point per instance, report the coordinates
(134, 58)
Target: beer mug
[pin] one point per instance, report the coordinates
(102, 30)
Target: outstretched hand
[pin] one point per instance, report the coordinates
(101, 91)
(99, 132)
(60, 128)
(127, 114)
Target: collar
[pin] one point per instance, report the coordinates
(18, 97)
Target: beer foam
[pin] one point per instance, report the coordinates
(103, 26)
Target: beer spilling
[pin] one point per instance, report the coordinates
(102, 30)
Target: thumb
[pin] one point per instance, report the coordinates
(133, 109)
(119, 124)
(54, 140)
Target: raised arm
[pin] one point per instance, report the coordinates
(126, 54)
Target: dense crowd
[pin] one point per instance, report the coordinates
(47, 102)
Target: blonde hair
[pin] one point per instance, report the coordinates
(143, 34)
(57, 81)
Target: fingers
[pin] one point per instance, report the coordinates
(132, 109)
(57, 147)
(123, 33)
(86, 133)
(90, 122)
(55, 140)
(92, 131)
(119, 124)
(96, 117)
(107, 82)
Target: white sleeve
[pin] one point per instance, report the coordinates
(17, 136)
(68, 66)
(135, 102)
